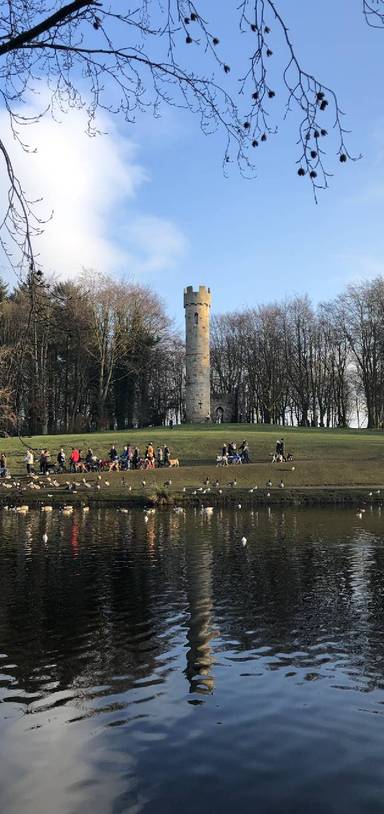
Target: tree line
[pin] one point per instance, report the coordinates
(292, 363)
(96, 354)
(86, 355)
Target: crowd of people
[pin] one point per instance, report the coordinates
(129, 458)
(233, 454)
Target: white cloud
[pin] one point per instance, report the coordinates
(90, 183)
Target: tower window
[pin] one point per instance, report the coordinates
(196, 319)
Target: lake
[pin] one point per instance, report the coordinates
(160, 664)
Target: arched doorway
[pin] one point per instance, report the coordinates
(219, 415)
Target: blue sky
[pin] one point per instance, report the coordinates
(150, 201)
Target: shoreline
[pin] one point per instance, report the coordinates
(231, 498)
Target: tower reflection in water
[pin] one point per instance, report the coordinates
(200, 633)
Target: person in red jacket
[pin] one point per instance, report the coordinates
(74, 459)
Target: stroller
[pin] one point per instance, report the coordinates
(235, 458)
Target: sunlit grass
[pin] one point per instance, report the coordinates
(321, 457)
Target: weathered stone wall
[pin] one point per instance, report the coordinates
(197, 306)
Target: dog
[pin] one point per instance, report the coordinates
(174, 462)
(221, 460)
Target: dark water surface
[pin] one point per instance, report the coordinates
(162, 666)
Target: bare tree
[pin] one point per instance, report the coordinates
(99, 55)
(361, 313)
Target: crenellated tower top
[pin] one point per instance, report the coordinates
(200, 297)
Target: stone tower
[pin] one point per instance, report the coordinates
(197, 306)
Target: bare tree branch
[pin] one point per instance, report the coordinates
(96, 56)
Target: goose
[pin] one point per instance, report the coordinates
(239, 505)
(269, 484)
(281, 484)
(244, 541)
(232, 482)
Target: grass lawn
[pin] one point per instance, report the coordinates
(323, 459)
